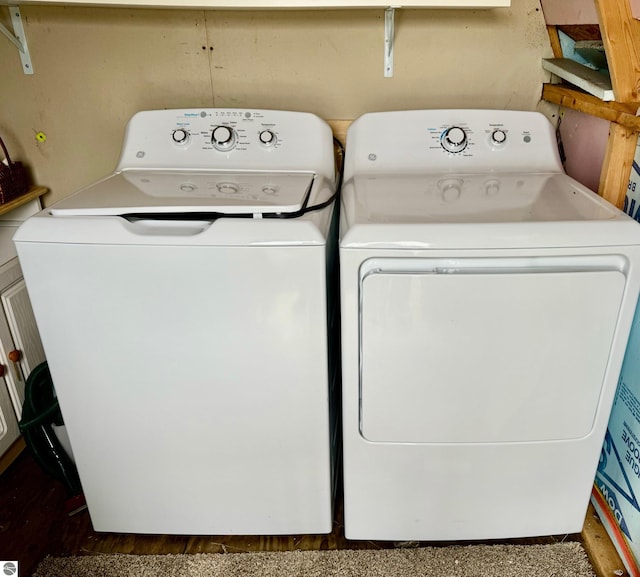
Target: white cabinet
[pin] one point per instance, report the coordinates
(20, 347)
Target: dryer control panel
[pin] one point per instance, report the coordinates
(467, 141)
(227, 138)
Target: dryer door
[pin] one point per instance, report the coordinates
(485, 350)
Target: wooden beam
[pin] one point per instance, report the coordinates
(616, 168)
(623, 114)
(621, 37)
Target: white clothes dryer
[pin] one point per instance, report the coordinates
(486, 302)
(182, 303)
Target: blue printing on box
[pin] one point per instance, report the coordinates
(618, 474)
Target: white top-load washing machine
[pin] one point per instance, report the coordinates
(486, 301)
(182, 303)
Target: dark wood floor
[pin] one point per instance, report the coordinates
(33, 524)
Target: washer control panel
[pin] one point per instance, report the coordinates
(227, 138)
(227, 131)
(453, 140)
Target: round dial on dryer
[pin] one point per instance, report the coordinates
(180, 136)
(498, 137)
(223, 137)
(454, 139)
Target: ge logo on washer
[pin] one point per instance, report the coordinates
(9, 567)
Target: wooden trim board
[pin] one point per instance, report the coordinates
(599, 548)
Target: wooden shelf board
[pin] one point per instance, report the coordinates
(33, 193)
(623, 114)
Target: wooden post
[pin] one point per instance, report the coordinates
(616, 168)
(621, 38)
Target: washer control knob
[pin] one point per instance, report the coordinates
(267, 138)
(454, 139)
(223, 137)
(498, 137)
(180, 136)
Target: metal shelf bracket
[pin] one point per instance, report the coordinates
(18, 38)
(389, 32)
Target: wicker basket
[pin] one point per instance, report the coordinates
(13, 178)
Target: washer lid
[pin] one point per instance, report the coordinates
(181, 192)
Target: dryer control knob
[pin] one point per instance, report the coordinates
(180, 136)
(454, 139)
(223, 137)
(498, 137)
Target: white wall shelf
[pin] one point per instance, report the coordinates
(18, 38)
(275, 4)
(590, 80)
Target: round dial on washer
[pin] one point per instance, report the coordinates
(454, 139)
(223, 137)
(180, 136)
(498, 137)
(267, 138)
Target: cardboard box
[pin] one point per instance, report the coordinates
(632, 199)
(616, 493)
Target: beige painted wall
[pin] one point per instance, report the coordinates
(95, 67)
